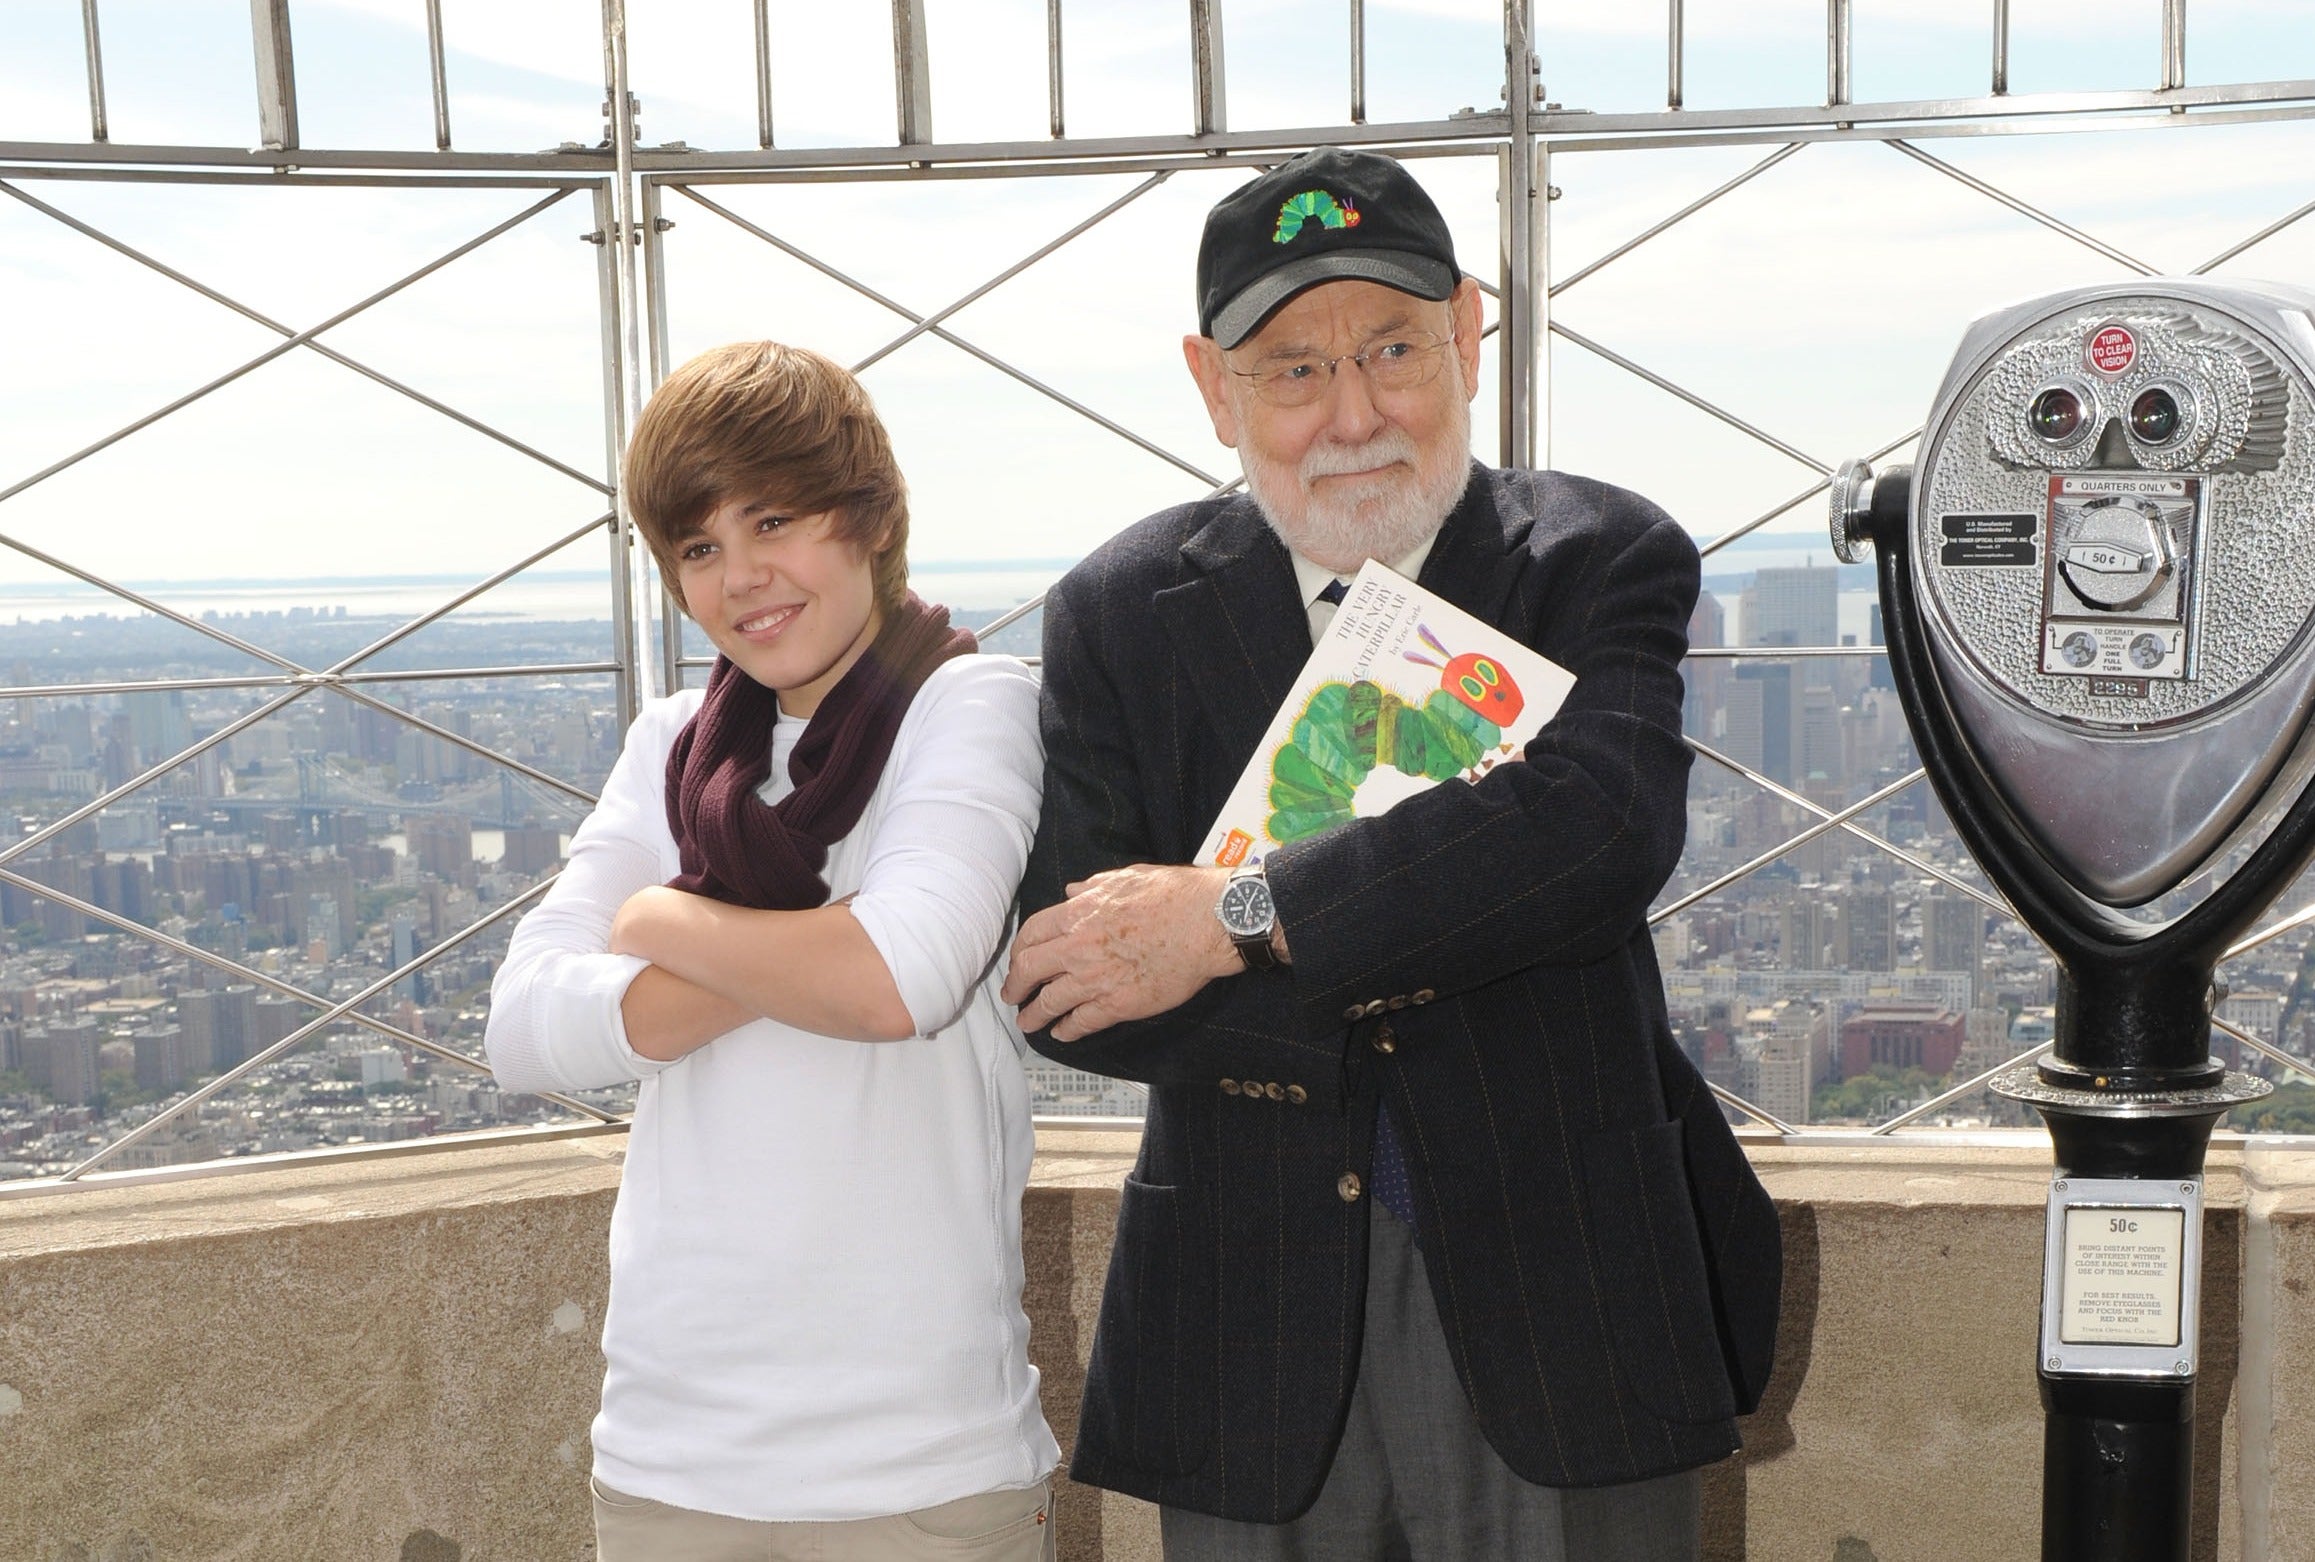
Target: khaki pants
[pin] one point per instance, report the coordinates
(997, 1526)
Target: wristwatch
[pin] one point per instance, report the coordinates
(1249, 916)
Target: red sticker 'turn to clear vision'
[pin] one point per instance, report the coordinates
(2112, 350)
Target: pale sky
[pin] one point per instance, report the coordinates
(1820, 302)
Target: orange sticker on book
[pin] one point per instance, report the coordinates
(1234, 849)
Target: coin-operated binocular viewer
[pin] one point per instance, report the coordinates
(2098, 585)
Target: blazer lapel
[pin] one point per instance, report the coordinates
(1473, 564)
(1237, 626)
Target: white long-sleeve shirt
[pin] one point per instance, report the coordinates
(816, 1252)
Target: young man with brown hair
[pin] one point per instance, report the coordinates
(783, 920)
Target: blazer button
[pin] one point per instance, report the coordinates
(1296, 1094)
(1399, 1001)
(1422, 995)
(1274, 1091)
(1229, 1087)
(1356, 1011)
(1350, 1187)
(1374, 1008)
(1386, 1039)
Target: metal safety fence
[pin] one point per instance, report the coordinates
(671, 226)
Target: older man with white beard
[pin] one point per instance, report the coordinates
(1437, 1246)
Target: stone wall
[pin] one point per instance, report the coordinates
(396, 1358)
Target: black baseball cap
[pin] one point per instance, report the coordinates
(1327, 215)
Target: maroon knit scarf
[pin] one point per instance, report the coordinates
(737, 849)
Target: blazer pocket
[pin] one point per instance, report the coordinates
(1648, 1262)
(1151, 1377)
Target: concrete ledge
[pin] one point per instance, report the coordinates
(398, 1358)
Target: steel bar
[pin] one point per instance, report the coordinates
(657, 603)
(1778, 653)
(325, 350)
(1694, 400)
(276, 75)
(12, 850)
(1919, 865)
(1759, 1114)
(296, 1038)
(287, 344)
(93, 50)
(1569, 131)
(1053, 95)
(1209, 93)
(480, 750)
(57, 691)
(624, 638)
(1539, 198)
(2173, 45)
(1836, 53)
(1967, 1087)
(1014, 270)
(1828, 822)
(287, 179)
(148, 1176)
(2292, 1061)
(2001, 48)
(1675, 54)
(487, 583)
(2274, 930)
(2153, 118)
(441, 75)
(455, 674)
(1357, 61)
(1519, 298)
(1708, 549)
(2260, 237)
(198, 626)
(946, 335)
(232, 967)
(1680, 216)
(2025, 209)
(911, 73)
(707, 174)
(763, 73)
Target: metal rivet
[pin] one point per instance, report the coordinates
(2060, 1185)
(2185, 1369)
(2053, 1363)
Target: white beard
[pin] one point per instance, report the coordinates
(1386, 518)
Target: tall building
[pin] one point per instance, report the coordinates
(1706, 677)
(1868, 941)
(75, 1072)
(1792, 606)
(1952, 933)
(1762, 717)
(160, 1057)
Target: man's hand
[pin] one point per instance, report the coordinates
(1125, 945)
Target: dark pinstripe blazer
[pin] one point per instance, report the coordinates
(1604, 1261)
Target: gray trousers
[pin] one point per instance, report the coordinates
(1414, 1481)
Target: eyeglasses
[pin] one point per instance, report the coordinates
(1394, 363)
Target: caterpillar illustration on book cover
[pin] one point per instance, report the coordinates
(1349, 729)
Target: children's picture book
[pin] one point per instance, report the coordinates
(1404, 692)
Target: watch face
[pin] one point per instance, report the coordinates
(1246, 909)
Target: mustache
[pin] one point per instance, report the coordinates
(1329, 460)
